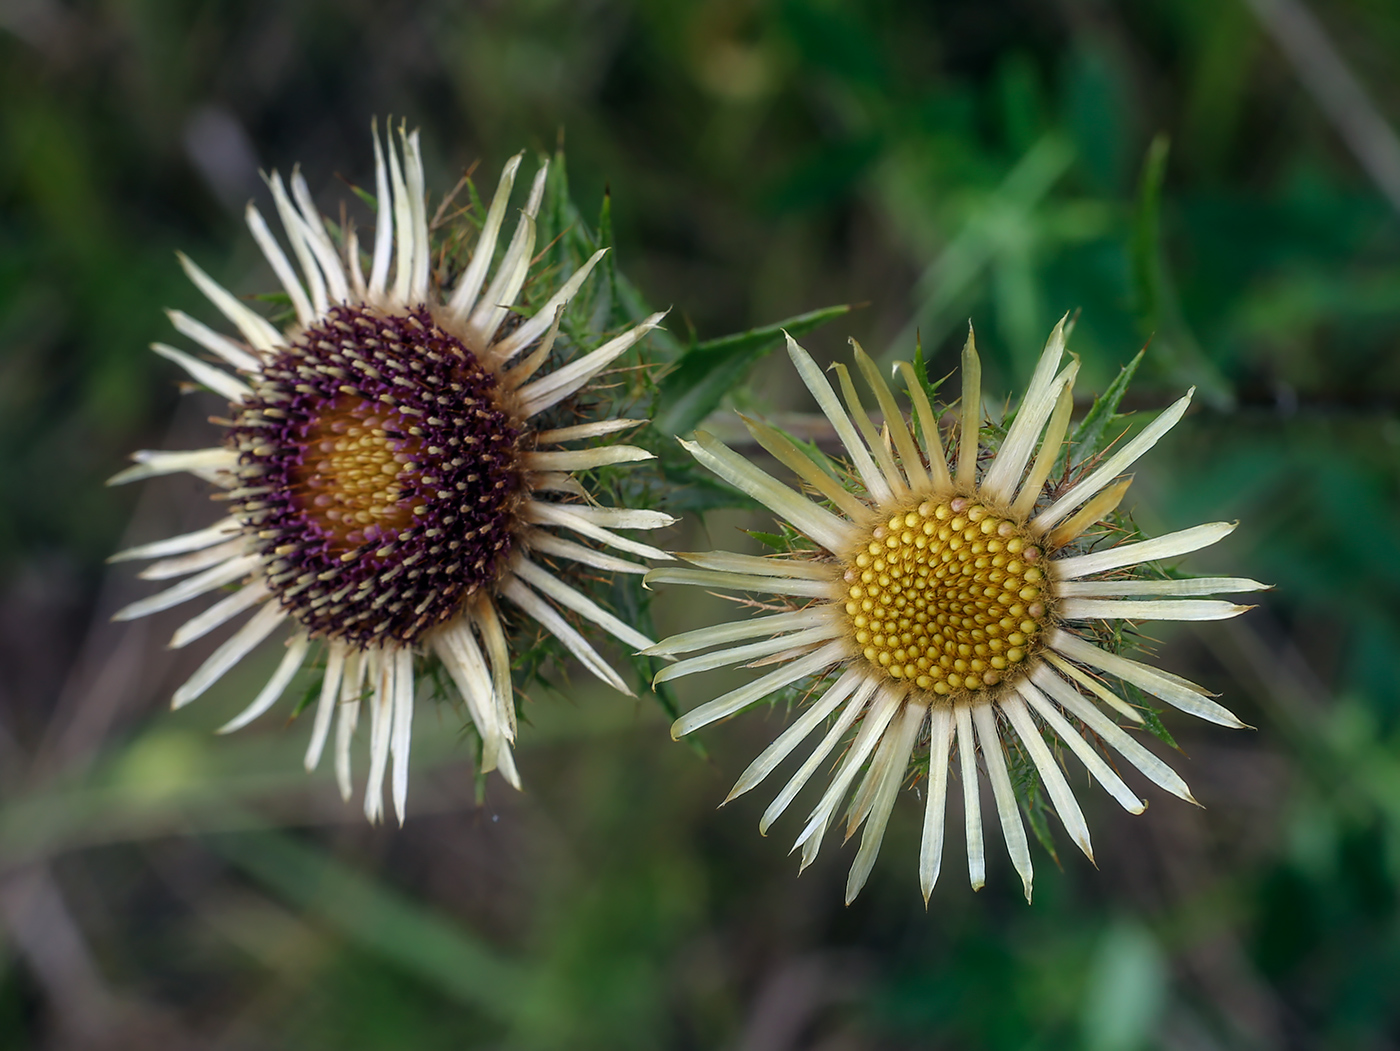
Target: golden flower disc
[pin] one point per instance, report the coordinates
(946, 595)
(352, 473)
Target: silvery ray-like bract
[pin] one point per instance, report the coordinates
(953, 605)
(392, 474)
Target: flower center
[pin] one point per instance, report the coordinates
(353, 469)
(380, 475)
(946, 595)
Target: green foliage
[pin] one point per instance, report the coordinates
(708, 371)
(943, 162)
(1148, 276)
(1094, 432)
(392, 927)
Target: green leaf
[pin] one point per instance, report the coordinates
(633, 605)
(1035, 810)
(368, 198)
(1025, 780)
(1092, 435)
(700, 494)
(476, 213)
(931, 387)
(1151, 717)
(1153, 722)
(773, 540)
(311, 693)
(661, 345)
(616, 316)
(1146, 249)
(708, 371)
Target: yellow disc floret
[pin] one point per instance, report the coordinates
(354, 472)
(946, 595)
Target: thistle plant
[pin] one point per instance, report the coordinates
(955, 594)
(421, 472)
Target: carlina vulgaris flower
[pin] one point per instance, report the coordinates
(957, 604)
(392, 474)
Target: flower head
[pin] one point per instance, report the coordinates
(954, 606)
(391, 474)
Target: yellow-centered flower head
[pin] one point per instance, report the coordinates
(951, 605)
(947, 595)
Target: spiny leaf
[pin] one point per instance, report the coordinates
(608, 278)
(663, 345)
(1151, 717)
(708, 371)
(1025, 780)
(1092, 435)
(1033, 806)
(773, 540)
(931, 387)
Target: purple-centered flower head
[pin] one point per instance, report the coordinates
(391, 476)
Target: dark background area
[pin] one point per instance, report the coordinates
(996, 160)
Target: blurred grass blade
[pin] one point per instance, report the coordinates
(1147, 225)
(950, 278)
(420, 940)
(1155, 301)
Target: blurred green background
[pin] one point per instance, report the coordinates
(1163, 165)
